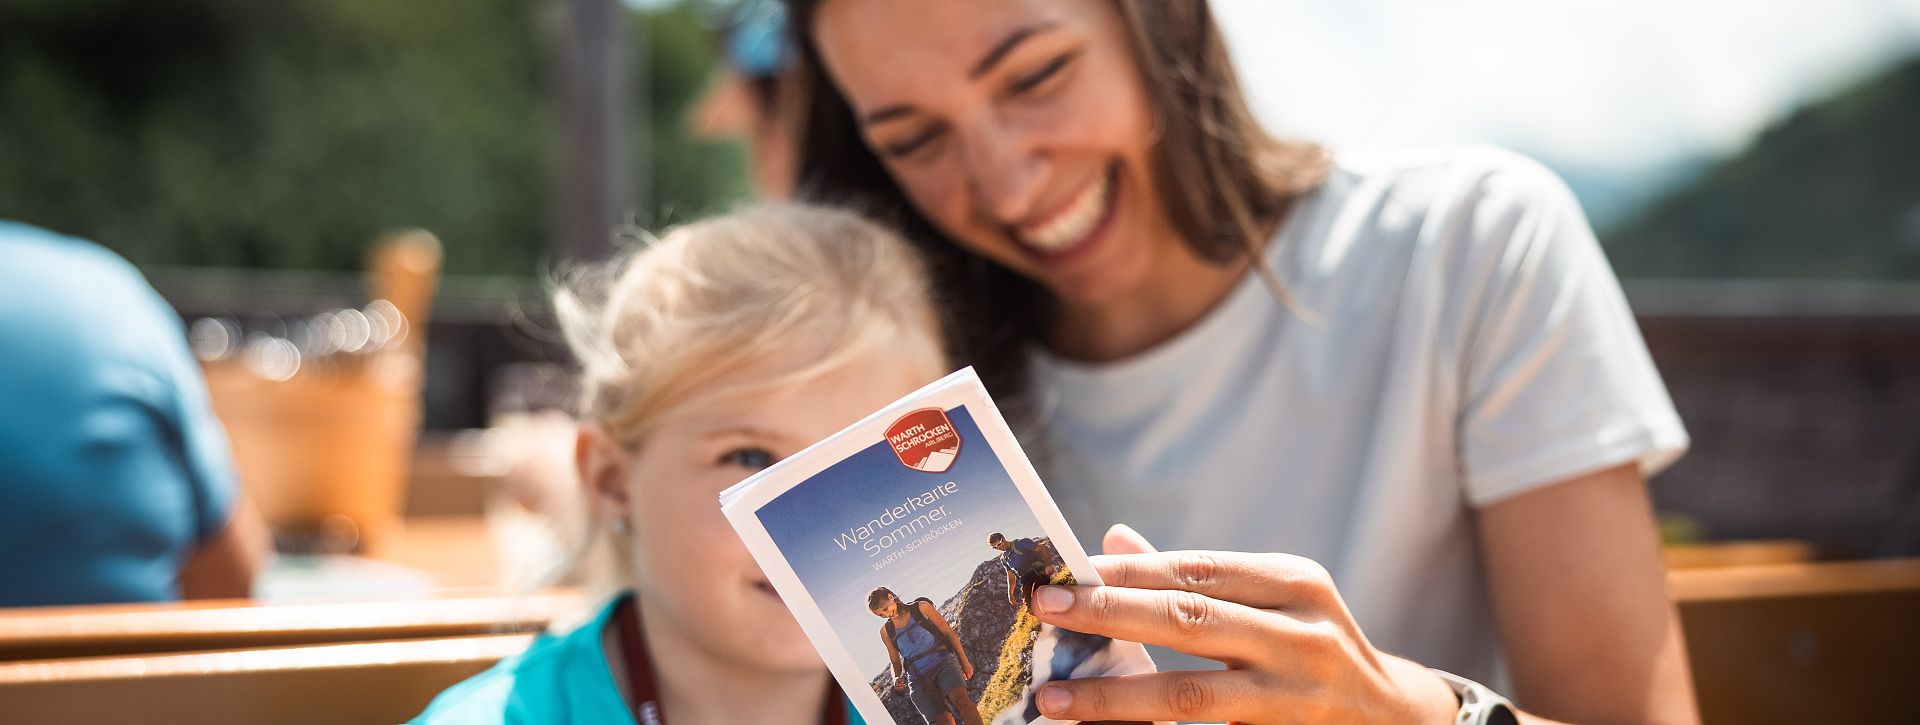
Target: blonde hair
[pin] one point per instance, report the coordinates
(770, 283)
(787, 291)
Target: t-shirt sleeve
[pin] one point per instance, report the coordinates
(1556, 379)
(205, 456)
(209, 458)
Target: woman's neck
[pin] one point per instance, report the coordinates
(1179, 291)
(697, 687)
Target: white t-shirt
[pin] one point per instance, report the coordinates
(1472, 344)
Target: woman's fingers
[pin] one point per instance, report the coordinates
(1189, 622)
(1212, 696)
(1264, 581)
(1122, 539)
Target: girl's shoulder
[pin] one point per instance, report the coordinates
(517, 689)
(560, 677)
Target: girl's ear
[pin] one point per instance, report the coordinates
(602, 465)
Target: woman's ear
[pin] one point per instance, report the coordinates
(602, 465)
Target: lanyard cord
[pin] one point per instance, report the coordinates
(646, 690)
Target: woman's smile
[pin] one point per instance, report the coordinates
(1071, 229)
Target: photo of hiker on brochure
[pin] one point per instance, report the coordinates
(925, 572)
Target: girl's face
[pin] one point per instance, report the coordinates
(692, 569)
(1021, 128)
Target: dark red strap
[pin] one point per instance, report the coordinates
(640, 681)
(646, 691)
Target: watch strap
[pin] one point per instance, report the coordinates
(1479, 704)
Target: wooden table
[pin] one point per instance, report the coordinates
(457, 551)
(1804, 643)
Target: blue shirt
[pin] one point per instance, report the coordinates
(1023, 555)
(559, 679)
(113, 468)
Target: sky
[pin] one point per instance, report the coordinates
(1622, 86)
(804, 521)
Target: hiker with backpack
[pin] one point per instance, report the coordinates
(928, 658)
(1029, 565)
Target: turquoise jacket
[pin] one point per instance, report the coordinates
(559, 679)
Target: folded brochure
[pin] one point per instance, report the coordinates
(914, 535)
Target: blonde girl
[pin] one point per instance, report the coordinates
(708, 355)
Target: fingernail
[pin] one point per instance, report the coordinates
(1051, 599)
(1054, 700)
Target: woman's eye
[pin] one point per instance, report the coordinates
(752, 459)
(913, 143)
(1030, 81)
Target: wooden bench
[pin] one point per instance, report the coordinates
(1737, 553)
(371, 682)
(1804, 643)
(1780, 643)
(125, 629)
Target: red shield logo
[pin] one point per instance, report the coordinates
(924, 440)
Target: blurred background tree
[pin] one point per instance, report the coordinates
(1831, 191)
(285, 135)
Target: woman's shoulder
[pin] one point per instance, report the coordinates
(1443, 179)
(1449, 209)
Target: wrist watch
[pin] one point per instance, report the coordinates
(1478, 704)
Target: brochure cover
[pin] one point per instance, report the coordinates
(907, 547)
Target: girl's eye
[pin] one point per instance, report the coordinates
(1030, 81)
(752, 459)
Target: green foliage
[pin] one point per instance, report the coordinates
(687, 178)
(287, 134)
(1833, 191)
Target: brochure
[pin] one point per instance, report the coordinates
(908, 546)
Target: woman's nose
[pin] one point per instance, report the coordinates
(1006, 170)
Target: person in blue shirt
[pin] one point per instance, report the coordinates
(1029, 564)
(115, 479)
(929, 661)
(704, 357)
(752, 97)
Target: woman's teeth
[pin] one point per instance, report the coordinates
(1073, 224)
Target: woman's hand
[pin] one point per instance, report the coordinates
(966, 669)
(1292, 650)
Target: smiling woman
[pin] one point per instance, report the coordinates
(1411, 371)
(1154, 166)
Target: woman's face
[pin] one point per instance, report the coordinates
(1021, 128)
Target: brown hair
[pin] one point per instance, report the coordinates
(1225, 181)
(879, 596)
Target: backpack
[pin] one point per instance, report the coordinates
(920, 620)
(1025, 560)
